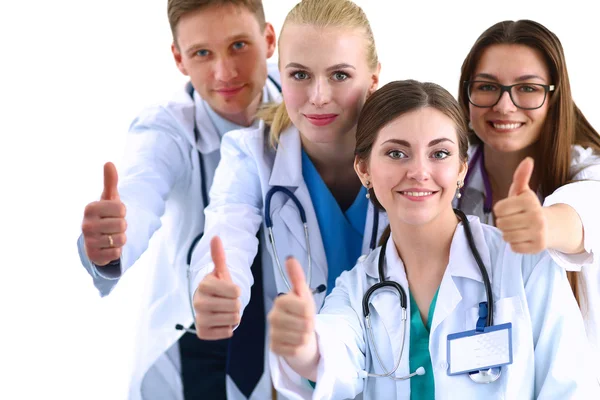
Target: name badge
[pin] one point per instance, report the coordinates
(475, 350)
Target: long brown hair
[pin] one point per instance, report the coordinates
(565, 124)
(396, 99)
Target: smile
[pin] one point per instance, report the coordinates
(507, 127)
(417, 194)
(321, 119)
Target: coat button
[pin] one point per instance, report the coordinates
(444, 365)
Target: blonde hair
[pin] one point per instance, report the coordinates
(321, 14)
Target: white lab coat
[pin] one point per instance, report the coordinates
(160, 184)
(249, 168)
(583, 196)
(550, 356)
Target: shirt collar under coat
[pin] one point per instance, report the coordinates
(209, 139)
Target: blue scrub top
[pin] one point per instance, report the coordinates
(342, 232)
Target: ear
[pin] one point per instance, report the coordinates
(374, 80)
(271, 39)
(362, 169)
(462, 173)
(178, 59)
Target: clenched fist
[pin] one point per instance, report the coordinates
(216, 301)
(104, 223)
(520, 216)
(291, 321)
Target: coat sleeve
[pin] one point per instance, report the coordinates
(581, 195)
(234, 214)
(561, 349)
(341, 346)
(153, 161)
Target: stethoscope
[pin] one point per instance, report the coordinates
(482, 376)
(269, 225)
(204, 189)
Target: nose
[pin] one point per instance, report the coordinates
(321, 93)
(505, 105)
(418, 169)
(225, 69)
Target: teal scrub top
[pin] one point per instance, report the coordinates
(422, 387)
(342, 231)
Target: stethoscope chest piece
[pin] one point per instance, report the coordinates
(486, 375)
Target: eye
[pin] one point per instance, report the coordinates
(396, 154)
(440, 154)
(525, 88)
(239, 45)
(486, 87)
(340, 76)
(299, 75)
(202, 53)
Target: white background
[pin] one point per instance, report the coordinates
(73, 74)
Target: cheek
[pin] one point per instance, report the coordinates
(475, 114)
(353, 99)
(295, 98)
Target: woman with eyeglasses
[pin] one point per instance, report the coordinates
(534, 169)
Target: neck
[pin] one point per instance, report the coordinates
(334, 162)
(425, 249)
(500, 168)
(246, 117)
(332, 157)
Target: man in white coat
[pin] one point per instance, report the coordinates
(171, 155)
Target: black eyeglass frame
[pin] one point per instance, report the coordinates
(508, 88)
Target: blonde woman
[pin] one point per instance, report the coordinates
(305, 150)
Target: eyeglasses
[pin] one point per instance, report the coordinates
(526, 96)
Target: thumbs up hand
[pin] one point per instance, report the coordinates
(520, 216)
(216, 301)
(104, 224)
(291, 320)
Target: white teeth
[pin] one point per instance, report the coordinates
(508, 126)
(417, 194)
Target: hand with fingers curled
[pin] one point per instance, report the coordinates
(216, 300)
(521, 216)
(104, 224)
(291, 324)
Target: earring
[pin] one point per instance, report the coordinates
(459, 185)
(470, 125)
(368, 195)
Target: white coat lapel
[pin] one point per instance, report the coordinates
(462, 266)
(287, 172)
(209, 139)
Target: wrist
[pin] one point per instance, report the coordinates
(306, 361)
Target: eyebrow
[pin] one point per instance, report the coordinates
(232, 38)
(332, 68)
(519, 79)
(406, 144)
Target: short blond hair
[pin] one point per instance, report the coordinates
(321, 14)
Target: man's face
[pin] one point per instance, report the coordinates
(224, 51)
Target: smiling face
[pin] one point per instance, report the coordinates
(224, 51)
(505, 127)
(415, 165)
(325, 80)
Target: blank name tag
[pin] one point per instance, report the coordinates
(472, 351)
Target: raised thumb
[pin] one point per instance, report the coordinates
(296, 276)
(521, 177)
(217, 252)
(111, 179)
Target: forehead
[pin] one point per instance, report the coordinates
(321, 47)
(420, 126)
(214, 25)
(509, 62)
